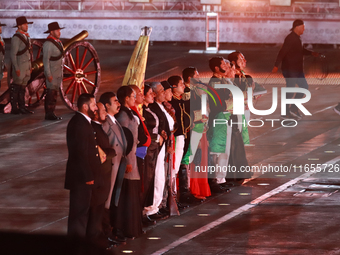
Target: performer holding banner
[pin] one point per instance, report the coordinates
(53, 53)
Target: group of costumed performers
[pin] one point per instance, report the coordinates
(227, 141)
(223, 142)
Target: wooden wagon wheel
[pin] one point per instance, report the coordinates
(81, 73)
(36, 90)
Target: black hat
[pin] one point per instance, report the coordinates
(166, 85)
(2, 25)
(296, 23)
(53, 26)
(22, 20)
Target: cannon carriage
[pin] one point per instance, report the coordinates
(81, 73)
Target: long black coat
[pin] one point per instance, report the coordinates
(83, 156)
(163, 121)
(182, 116)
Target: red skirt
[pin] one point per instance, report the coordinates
(199, 185)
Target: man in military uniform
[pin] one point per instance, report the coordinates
(192, 98)
(21, 65)
(2, 54)
(53, 52)
(183, 120)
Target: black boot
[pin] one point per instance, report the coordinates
(14, 94)
(50, 103)
(21, 101)
(184, 193)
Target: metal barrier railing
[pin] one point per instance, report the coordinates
(298, 6)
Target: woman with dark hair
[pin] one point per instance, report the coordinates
(244, 82)
(152, 124)
(127, 216)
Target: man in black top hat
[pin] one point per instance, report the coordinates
(21, 65)
(2, 54)
(291, 56)
(53, 52)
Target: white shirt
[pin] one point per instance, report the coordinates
(97, 122)
(155, 129)
(136, 117)
(112, 118)
(168, 116)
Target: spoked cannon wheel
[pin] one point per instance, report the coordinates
(36, 90)
(81, 73)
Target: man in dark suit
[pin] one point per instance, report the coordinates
(102, 189)
(83, 162)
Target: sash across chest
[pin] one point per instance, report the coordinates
(60, 48)
(26, 42)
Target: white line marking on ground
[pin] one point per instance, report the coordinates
(32, 208)
(167, 60)
(329, 107)
(272, 130)
(49, 224)
(171, 69)
(39, 169)
(26, 131)
(238, 211)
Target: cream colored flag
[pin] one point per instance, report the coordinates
(135, 72)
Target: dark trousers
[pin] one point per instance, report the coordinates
(79, 214)
(106, 224)
(295, 78)
(150, 161)
(95, 224)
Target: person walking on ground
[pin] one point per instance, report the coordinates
(53, 53)
(291, 56)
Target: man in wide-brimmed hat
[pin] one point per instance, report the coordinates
(21, 65)
(53, 53)
(2, 53)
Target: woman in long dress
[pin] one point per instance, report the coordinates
(127, 217)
